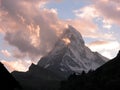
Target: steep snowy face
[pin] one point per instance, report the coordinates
(72, 36)
(71, 55)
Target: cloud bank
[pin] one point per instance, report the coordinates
(29, 26)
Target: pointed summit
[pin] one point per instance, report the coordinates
(71, 36)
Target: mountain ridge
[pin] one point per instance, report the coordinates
(7, 81)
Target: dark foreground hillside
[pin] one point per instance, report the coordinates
(7, 81)
(38, 78)
(107, 77)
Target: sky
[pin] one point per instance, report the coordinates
(30, 28)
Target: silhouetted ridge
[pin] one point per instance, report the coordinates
(38, 78)
(32, 66)
(118, 55)
(7, 81)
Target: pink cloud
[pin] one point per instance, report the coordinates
(18, 65)
(111, 45)
(89, 29)
(28, 26)
(109, 10)
(6, 53)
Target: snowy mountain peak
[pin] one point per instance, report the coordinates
(71, 35)
(71, 55)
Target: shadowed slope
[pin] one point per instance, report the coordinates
(7, 81)
(106, 77)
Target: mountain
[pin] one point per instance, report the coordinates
(106, 77)
(71, 55)
(7, 81)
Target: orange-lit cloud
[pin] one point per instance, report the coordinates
(18, 65)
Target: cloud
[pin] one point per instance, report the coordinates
(18, 65)
(104, 45)
(84, 20)
(29, 26)
(23, 43)
(0, 2)
(89, 29)
(107, 26)
(9, 67)
(87, 12)
(84, 25)
(6, 53)
(109, 10)
(106, 48)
